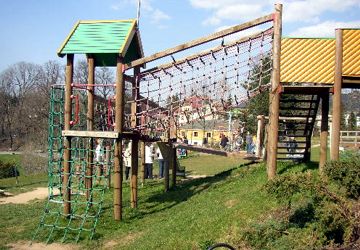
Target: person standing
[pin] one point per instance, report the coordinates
(127, 159)
(249, 143)
(99, 157)
(149, 159)
(223, 141)
(162, 163)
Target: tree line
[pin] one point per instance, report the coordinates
(25, 100)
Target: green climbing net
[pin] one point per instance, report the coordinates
(86, 200)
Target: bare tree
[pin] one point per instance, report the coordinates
(18, 83)
(104, 76)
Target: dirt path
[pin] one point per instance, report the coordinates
(23, 198)
(24, 245)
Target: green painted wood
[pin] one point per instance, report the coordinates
(104, 40)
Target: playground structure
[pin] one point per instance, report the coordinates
(145, 105)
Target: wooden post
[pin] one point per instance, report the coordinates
(119, 121)
(324, 130)
(336, 109)
(90, 125)
(260, 135)
(107, 162)
(135, 142)
(174, 167)
(67, 140)
(274, 95)
(167, 167)
(142, 152)
(134, 172)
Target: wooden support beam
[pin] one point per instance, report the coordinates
(119, 121)
(260, 135)
(90, 126)
(142, 152)
(200, 149)
(135, 142)
(93, 134)
(134, 173)
(107, 164)
(203, 53)
(336, 106)
(274, 95)
(69, 71)
(167, 172)
(167, 153)
(324, 130)
(200, 41)
(174, 163)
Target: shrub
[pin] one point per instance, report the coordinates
(285, 187)
(8, 169)
(345, 173)
(317, 207)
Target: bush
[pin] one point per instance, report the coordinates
(345, 173)
(285, 187)
(8, 169)
(317, 208)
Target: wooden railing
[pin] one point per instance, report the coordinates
(350, 138)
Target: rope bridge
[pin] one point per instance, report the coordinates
(203, 86)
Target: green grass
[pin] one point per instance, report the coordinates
(198, 212)
(203, 164)
(10, 158)
(23, 183)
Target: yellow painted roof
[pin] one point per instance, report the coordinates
(351, 52)
(307, 60)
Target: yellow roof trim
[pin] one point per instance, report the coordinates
(108, 21)
(128, 39)
(68, 37)
(140, 43)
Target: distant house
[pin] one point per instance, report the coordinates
(207, 131)
(198, 108)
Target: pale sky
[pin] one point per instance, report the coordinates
(33, 30)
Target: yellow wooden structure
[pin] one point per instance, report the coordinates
(312, 60)
(351, 52)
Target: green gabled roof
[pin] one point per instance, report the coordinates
(104, 40)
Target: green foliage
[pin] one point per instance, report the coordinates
(8, 169)
(352, 121)
(346, 173)
(285, 187)
(320, 214)
(260, 236)
(259, 104)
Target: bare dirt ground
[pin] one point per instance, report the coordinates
(23, 198)
(25, 245)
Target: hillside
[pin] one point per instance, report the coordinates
(232, 206)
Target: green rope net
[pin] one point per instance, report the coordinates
(88, 164)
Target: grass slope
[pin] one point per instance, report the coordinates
(194, 215)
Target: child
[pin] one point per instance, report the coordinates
(127, 159)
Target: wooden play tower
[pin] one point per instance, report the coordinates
(310, 70)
